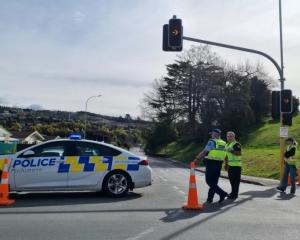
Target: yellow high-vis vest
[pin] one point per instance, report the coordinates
(233, 160)
(218, 153)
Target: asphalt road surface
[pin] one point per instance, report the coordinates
(153, 213)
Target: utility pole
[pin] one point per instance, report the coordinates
(281, 88)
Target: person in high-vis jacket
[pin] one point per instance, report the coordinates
(290, 166)
(233, 164)
(213, 154)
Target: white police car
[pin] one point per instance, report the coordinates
(69, 164)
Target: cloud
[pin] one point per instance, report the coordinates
(98, 80)
(3, 101)
(79, 16)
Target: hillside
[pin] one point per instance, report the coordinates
(29, 117)
(122, 131)
(267, 135)
(260, 149)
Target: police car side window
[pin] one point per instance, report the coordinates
(54, 149)
(92, 149)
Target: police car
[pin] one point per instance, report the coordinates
(74, 164)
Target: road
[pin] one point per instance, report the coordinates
(153, 213)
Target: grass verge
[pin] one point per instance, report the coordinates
(257, 162)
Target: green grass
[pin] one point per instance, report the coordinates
(260, 149)
(267, 135)
(181, 151)
(261, 162)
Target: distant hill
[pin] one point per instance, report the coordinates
(30, 116)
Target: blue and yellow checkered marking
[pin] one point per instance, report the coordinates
(75, 164)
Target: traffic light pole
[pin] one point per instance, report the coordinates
(281, 88)
(279, 69)
(239, 49)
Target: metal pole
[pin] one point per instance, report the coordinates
(281, 156)
(239, 49)
(281, 48)
(85, 114)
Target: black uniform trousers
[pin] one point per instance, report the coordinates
(212, 175)
(234, 174)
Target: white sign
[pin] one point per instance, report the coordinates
(284, 132)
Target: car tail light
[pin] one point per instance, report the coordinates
(144, 163)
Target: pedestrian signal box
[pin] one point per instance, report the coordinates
(286, 101)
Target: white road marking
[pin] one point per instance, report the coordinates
(178, 190)
(142, 234)
(162, 178)
(182, 192)
(183, 172)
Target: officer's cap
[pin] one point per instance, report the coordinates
(216, 130)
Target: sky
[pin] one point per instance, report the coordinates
(56, 54)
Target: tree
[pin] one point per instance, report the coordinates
(16, 127)
(200, 91)
(160, 135)
(260, 98)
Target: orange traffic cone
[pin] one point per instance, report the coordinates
(192, 202)
(4, 187)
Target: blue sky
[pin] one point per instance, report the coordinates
(58, 53)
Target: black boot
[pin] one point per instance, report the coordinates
(222, 197)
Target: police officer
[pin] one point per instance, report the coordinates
(213, 154)
(290, 167)
(233, 164)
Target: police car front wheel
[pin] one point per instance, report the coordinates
(116, 184)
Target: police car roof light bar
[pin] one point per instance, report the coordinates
(75, 136)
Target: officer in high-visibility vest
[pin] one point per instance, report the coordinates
(290, 166)
(213, 154)
(233, 164)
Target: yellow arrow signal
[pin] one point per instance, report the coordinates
(175, 32)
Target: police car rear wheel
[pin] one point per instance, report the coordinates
(116, 184)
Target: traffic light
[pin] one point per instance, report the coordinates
(287, 119)
(175, 33)
(172, 35)
(286, 101)
(275, 105)
(166, 39)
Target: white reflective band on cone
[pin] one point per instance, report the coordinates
(192, 185)
(4, 181)
(192, 172)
